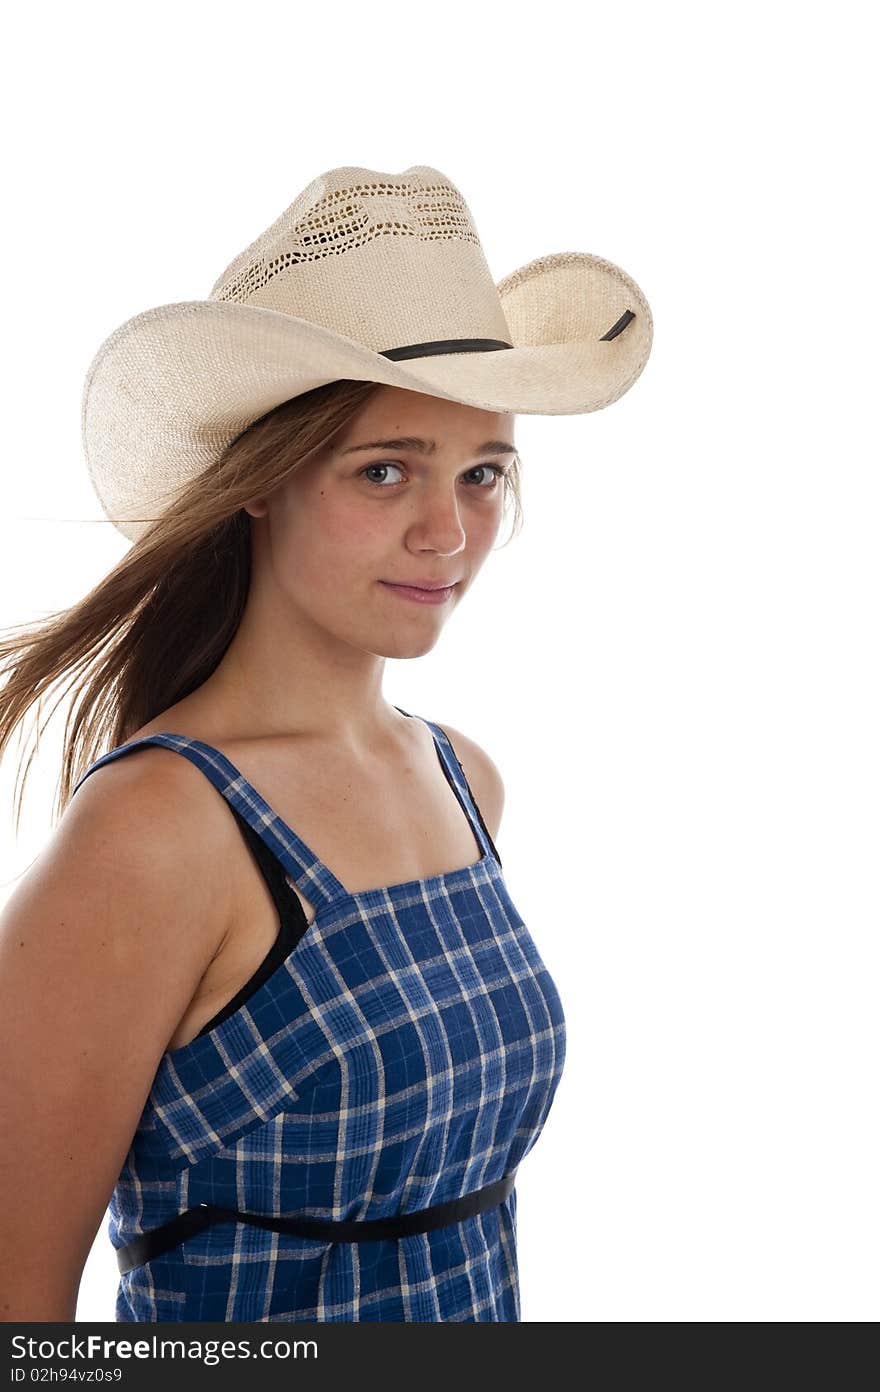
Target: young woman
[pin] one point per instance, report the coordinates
(265, 991)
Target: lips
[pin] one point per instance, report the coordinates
(422, 584)
(420, 594)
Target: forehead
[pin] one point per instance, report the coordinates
(395, 411)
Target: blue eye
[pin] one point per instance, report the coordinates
(497, 472)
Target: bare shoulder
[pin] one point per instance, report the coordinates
(154, 775)
(159, 812)
(482, 774)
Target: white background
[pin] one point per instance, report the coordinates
(674, 666)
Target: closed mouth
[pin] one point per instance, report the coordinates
(416, 585)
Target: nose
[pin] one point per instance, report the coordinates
(437, 525)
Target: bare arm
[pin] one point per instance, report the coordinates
(102, 946)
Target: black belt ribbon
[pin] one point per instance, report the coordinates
(195, 1220)
(479, 345)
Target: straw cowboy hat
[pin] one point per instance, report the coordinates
(366, 275)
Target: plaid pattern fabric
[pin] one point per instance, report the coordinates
(405, 1053)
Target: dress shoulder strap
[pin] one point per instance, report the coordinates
(307, 871)
(456, 776)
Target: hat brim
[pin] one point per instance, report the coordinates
(171, 387)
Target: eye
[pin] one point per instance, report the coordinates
(496, 474)
(493, 471)
(367, 470)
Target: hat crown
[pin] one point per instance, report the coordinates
(384, 259)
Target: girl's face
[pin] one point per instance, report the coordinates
(380, 509)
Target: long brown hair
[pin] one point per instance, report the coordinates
(158, 624)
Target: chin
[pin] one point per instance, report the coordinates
(405, 647)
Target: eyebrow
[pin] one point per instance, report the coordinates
(420, 446)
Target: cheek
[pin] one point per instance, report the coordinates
(334, 540)
(347, 527)
(353, 545)
(482, 529)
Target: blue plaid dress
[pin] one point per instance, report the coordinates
(401, 1051)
